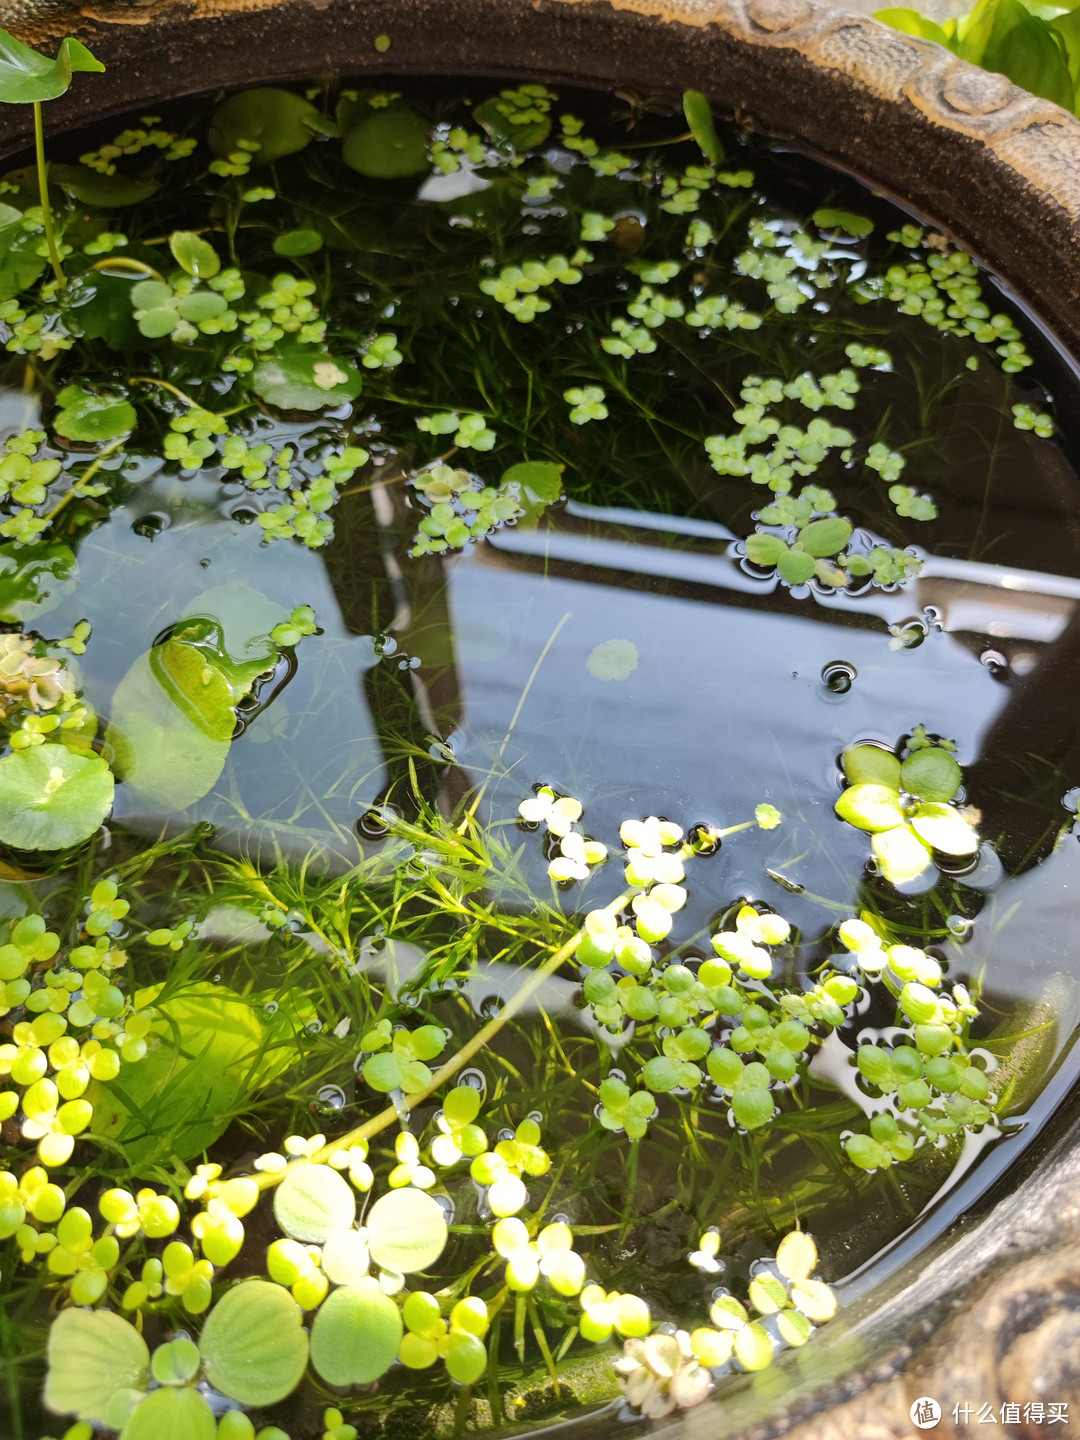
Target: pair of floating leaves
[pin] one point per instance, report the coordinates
(405, 1231)
(253, 1348)
(903, 838)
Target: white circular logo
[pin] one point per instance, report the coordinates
(925, 1413)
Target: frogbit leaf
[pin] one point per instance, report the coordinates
(298, 242)
(107, 192)
(253, 1346)
(86, 416)
(796, 566)
(194, 254)
(699, 118)
(270, 118)
(388, 145)
(535, 484)
(356, 1334)
(27, 77)
(51, 798)
(871, 765)
(304, 378)
(91, 1354)
(857, 225)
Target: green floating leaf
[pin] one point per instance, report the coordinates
(196, 686)
(210, 1050)
(944, 828)
(356, 1334)
(298, 242)
(20, 264)
(535, 484)
(34, 579)
(170, 753)
(612, 660)
(752, 1106)
(825, 537)
(870, 807)
(932, 774)
(406, 1231)
(303, 378)
(846, 220)
(106, 192)
(254, 1348)
(765, 549)
(384, 1073)
(171, 1414)
(796, 566)
(466, 1357)
(900, 854)
(51, 798)
(194, 254)
(27, 77)
(388, 145)
(89, 417)
(91, 1354)
(313, 1200)
(272, 118)
(871, 765)
(699, 117)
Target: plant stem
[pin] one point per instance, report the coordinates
(393, 1113)
(88, 474)
(43, 188)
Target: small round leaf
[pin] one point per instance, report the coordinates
(51, 797)
(871, 765)
(388, 145)
(171, 1414)
(931, 774)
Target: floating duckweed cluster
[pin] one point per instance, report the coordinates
(405, 1126)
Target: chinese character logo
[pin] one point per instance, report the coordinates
(925, 1413)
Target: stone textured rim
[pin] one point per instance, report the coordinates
(994, 1315)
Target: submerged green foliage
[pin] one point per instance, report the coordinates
(442, 1051)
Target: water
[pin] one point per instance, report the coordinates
(624, 650)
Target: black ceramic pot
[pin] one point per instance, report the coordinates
(989, 1313)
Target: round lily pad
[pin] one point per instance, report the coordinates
(870, 807)
(83, 415)
(388, 145)
(313, 1200)
(51, 797)
(272, 118)
(253, 1346)
(304, 378)
(931, 774)
(871, 765)
(92, 1353)
(356, 1334)
(406, 1231)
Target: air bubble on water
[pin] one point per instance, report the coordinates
(505, 1135)
(934, 617)
(205, 563)
(960, 928)
(271, 1007)
(1071, 800)
(908, 634)
(475, 1079)
(151, 525)
(537, 1116)
(397, 1099)
(313, 1027)
(838, 676)
(489, 1007)
(994, 661)
(446, 1205)
(330, 1097)
(217, 979)
(614, 1074)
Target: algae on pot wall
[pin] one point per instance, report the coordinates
(516, 604)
